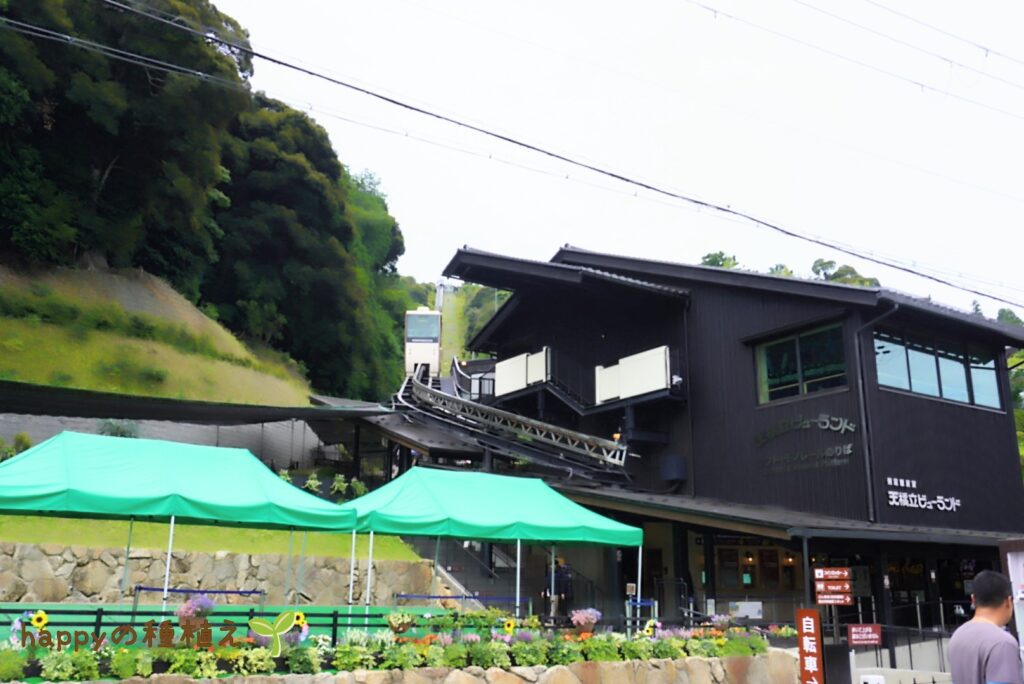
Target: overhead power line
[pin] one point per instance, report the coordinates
(987, 50)
(853, 60)
(912, 46)
(726, 210)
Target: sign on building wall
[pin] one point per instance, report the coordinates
(812, 662)
(864, 635)
(903, 494)
(838, 454)
(833, 586)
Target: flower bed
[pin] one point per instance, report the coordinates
(484, 639)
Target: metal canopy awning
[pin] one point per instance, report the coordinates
(40, 400)
(425, 438)
(770, 522)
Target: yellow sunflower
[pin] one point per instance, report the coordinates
(40, 620)
(300, 619)
(510, 626)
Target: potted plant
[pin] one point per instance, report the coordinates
(401, 622)
(782, 636)
(194, 611)
(585, 619)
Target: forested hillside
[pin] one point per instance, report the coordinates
(238, 200)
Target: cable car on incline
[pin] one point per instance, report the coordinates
(423, 340)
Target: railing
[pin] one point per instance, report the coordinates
(105, 621)
(521, 428)
(464, 383)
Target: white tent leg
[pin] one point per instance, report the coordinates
(369, 571)
(639, 580)
(352, 570)
(519, 558)
(167, 570)
(551, 588)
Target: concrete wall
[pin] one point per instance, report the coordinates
(47, 573)
(776, 667)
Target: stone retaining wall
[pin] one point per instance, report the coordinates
(45, 573)
(775, 667)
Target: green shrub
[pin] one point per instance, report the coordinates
(487, 654)
(445, 622)
(433, 656)
(184, 661)
(637, 649)
(562, 652)
(455, 655)
(351, 657)
(704, 648)
(484, 620)
(601, 648)
(57, 666)
(666, 648)
(122, 663)
(144, 663)
(530, 653)
(357, 489)
(22, 442)
(254, 661)
(758, 645)
(12, 665)
(86, 665)
(206, 665)
(312, 483)
(303, 660)
(401, 657)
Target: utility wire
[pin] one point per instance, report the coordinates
(726, 210)
(907, 44)
(987, 50)
(853, 60)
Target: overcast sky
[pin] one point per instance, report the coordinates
(676, 95)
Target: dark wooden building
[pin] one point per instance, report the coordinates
(777, 423)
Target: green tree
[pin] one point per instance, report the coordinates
(1008, 317)
(719, 260)
(781, 270)
(825, 269)
(111, 157)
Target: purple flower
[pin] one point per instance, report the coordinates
(470, 638)
(501, 636)
(524, 635)
(444, 639)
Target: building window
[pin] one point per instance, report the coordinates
(936, 368)
(801, 364)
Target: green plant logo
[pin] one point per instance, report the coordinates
(282, 623)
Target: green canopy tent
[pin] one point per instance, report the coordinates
(95, 476)
(475, 505)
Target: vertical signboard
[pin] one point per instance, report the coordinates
(812, 663)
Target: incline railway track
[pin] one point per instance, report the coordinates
(506, 434)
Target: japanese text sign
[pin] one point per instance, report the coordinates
(812, 663)
(864, 635)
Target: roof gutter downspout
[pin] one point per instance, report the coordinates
(862, 400)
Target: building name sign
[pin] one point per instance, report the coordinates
(838, 455)
(822, 422)
(913, 499)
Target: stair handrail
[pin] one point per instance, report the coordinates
(599, 448)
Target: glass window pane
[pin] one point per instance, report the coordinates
(891, 360)
(924, 378)
(422, 327)
(983, 378)
(822, 360)
(953, 372)
(778, 370)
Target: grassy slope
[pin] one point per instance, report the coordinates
(453, 329)
(114, 534)
(48, 354)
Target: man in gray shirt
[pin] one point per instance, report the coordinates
(982, 651)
